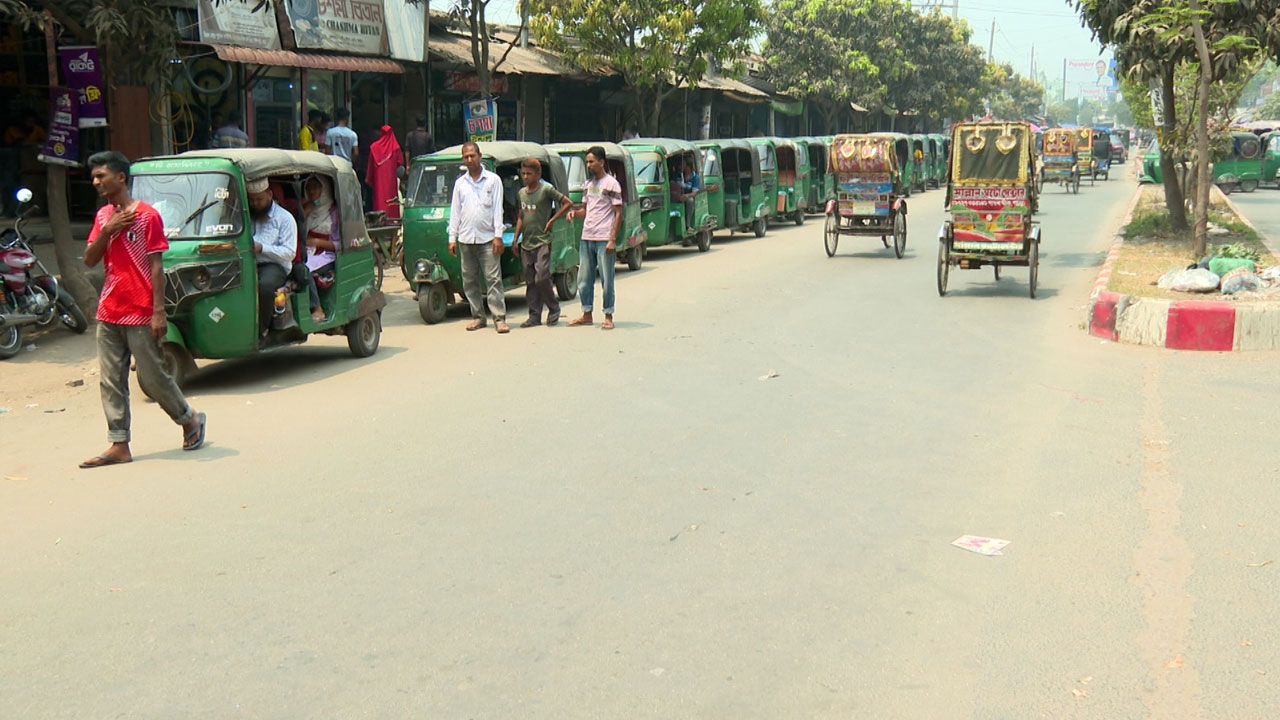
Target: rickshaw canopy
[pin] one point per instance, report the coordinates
(852, 154)
(991, 153)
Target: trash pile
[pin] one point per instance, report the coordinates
(1231, 269)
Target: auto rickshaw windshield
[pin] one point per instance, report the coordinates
(193, 206)
(649, 168)
(431, 184)
(576, 168)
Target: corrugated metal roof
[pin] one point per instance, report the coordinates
(521, 61)
(728, 84)
(317, 61)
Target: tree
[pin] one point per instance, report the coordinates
(816, 50)
(944, 74)
(1013, 97)
(1153, 38)
(138, 39)
(657, 46)
(1270, 108)
(473, 14)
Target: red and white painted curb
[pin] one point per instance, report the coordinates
(1180, 324)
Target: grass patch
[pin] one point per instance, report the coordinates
(1152, 248)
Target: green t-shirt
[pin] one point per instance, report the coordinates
(536, 208)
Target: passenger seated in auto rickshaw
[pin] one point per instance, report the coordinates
(322, 237)
(275, 242)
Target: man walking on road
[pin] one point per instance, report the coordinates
(538, 200)
(475, 223)
(128, 238)
(602, 196)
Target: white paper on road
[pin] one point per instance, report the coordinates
(980, 545)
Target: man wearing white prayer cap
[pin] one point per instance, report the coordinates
(275, 242)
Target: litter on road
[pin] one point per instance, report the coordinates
(981, 545)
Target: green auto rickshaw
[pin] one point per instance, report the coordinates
(906, 159)
(938, 150)
(780, 168)
(1240, 166)
(434, 275)
(735, 188)
(924, 162)
(822, 182)
(630, 242)
(211, 273)
(667, 219)
(1271, 158)
(767, 154)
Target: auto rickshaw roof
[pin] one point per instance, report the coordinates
(502, 151)
(611, 149)
(668, 146)
(724, 143)
(260, 162)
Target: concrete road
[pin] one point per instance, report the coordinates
(739, 504)
(1262, 207)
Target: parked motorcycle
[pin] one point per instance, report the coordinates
(27, 297)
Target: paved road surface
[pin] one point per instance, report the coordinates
(567, 523)
(1262, 207)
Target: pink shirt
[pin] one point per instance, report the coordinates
(600, 196)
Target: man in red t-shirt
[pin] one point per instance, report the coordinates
(128, 237)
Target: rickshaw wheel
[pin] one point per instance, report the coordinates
(635, 257)
(899, 234)
(567, 283)
(944, 268)
(1075, 185)
(704, 240)
(1034, 261)
(758, 227)
(177, 362)
(433, 302)
(377, 271)
(830, 237)
(363, 335)
(997, 272)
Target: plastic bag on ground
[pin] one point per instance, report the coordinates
(1197, 280)
(1240, 280)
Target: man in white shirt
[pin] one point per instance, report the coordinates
(475, 224)
(275, 243)
(342, 140)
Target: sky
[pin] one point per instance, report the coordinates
(1050, 26)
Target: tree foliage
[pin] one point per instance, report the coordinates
(656, 46)
(1012, 96)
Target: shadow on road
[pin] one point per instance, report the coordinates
(285, 367)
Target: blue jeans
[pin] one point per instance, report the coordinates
(591, 256)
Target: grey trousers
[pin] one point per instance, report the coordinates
(116, 344)
(481, 278)
(537, 277)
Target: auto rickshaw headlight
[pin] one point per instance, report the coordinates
(423, 265)
(201, 279)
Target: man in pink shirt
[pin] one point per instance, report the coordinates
(602, 196)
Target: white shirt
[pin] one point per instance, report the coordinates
(278, 234)
(475, 213)
(341, 139)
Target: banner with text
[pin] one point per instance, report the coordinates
(482, 120)
(249, 23)
(62, 145)
(353, 26)
(1091, 79)
(83, 73)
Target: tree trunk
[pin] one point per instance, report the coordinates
(830, 114)
(1200, 239)
(1173, 201)
(68, 251)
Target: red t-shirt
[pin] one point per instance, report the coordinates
(127, 297)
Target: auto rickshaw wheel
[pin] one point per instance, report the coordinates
(635, 258)
(433, 302)
(944, 267)
(363, 335)
(1248, 185)
(177, 362)
(799, 217)
(899, 234)
(567, 283)
(758, 227)
(704, 240)
(830, 236)
(1033, 259)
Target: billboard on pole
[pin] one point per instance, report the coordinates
(1092, 79)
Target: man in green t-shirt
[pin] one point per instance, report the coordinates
(541, 205)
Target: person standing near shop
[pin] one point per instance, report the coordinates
(475, 231)
(602, 196)
(342, 140)
(418, 141)
(128, 238)
(385, 158)
(229, 135)
(538, 212)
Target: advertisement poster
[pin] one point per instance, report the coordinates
(1093, 79)
(353, 26)
(83, 73)
(62, 145)
(481, 117)
(248, 23)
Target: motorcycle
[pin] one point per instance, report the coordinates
(28, 298)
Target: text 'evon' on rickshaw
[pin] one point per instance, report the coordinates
(869, 189)
(990, 201)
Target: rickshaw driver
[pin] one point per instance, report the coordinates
(275, 243)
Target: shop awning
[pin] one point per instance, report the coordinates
(520, 61)
(315, 61)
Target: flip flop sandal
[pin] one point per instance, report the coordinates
(471, 328)
(193, 439)
(579, 323)
(103, 461)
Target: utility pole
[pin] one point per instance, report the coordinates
(1033, 63)
(991, 44)
(524, 25)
